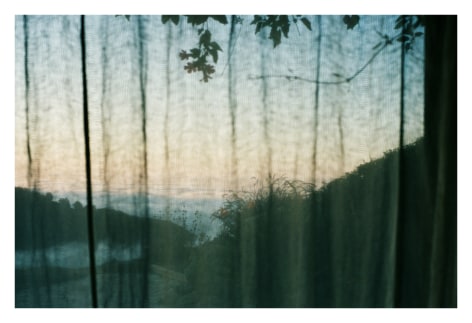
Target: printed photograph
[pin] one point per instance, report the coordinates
(235, 161)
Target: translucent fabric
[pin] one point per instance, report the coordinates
(297, 173)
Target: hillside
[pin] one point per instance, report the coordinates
(289, 245)
(283, 245)
(42, 223)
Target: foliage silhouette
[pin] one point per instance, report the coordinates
(62, 224)
(199, 56)
(42, 225)
(286, 244)
(408, 35)
(351, 21)
(280, 25)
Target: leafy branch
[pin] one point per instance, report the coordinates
(407, 35)
(409, 26)
(279, 25)
(199, 57)
(351, 21)
(339, 81)
(202, 57)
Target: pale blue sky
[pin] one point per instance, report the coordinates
(364, 112)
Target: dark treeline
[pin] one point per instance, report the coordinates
(289, 245)
(284, 245)
(42, 223)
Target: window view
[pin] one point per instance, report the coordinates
(232, 161)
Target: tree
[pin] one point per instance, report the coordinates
(78, 206)
(198, 58)
(64, 203)
(49, 197)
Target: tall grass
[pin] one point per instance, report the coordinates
(264, 197)
(288, 244)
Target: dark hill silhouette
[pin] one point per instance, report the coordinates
(286, 245)
(41, 223)
(289, 246)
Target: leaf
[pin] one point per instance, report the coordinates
(271, 19)
(275, 35)
(409, 30)
(196, 20)
(214, 55)
(205, 38)
(175, 19)
(307, 23)
(213, 50)
(127, 17)
(399, 23)
(419, 21)
(403, 38)
(351, 21)
(195, 52)
(183, 55)
(216, 46)
(190, 68)
(285, 29)
(220, 19)
(166, 18)
(258, 28)
(255, 20)
(283, 20)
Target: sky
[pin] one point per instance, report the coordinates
(189, 135)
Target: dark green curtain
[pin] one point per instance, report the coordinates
(441, 143)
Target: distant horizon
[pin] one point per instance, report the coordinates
(156, 128)
(188, 193)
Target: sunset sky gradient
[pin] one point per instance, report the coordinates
(190, 121)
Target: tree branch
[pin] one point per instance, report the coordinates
(316, 81)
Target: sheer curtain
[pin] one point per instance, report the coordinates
(314, 172)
